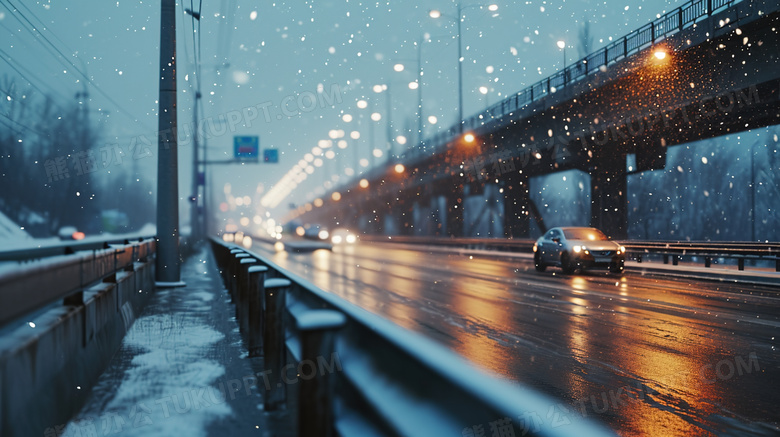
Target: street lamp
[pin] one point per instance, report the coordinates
(385, 88)
(416, 85)
(562, 45)
(484, 91)
(435, 13)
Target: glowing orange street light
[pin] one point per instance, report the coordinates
(660, 54)
(399, 168)
(469, 138)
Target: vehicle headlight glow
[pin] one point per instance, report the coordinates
(351, 239)
(577, 248)
(336, 239)
(535, 248)
(323, 234)
(621, 249)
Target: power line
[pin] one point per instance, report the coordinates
(32, 30)
(22, 125)
(43, 25)
(7, 58)
(18, 132)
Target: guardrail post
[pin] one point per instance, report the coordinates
(315, 399)
(273, 341)
(741, 263)
(666, 259)
(777, 264)
(254, 310)
(242, 293)
(707, 261)
(675, 259)
(227, 264)
(235, 267)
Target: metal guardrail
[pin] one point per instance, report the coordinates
(640, 39)
(68, 247)
(707, 250)
(37, 284)
(361, 375)
(673, 250)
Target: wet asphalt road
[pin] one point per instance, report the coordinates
(645, 355)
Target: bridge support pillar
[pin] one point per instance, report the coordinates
(405, 211)
(516, 210)
(454, 216)
(436, 216)
(608, 197)
(377, 216)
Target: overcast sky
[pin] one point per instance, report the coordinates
(277, 55)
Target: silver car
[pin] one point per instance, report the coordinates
(574, 248)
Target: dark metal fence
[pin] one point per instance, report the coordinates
(636, 41)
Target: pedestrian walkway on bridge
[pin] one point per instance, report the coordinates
(183, 369)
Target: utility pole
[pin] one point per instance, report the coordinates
(195, 231)
(389, 103)
(167, 268)
(419, 92)
(752, 193)
(460, 70)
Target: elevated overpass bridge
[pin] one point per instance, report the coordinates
(706, 69)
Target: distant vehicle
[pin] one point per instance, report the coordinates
(70, 233)
(343, 236)
(312, 232)
(574, 248)
(114, 221)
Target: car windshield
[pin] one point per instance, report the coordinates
(584, 234)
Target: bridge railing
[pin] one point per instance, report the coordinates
(707, 251)
(68, 247)
(636, 41)
(63, 274)
(358, 374)
(668, 251)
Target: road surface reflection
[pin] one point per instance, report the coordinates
(646, 356)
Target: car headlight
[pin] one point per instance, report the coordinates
(336, 239)
(351, 239)
(323, 234)
(577, 249)
(535, 247)
(621, 249)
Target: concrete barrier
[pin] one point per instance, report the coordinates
(47, 369)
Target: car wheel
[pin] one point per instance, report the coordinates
(617, 267)
(566, 264)
(540, 266)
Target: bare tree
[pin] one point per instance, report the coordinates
(585, 44)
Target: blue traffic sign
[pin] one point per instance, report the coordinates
(271, 156)
(246, 148)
